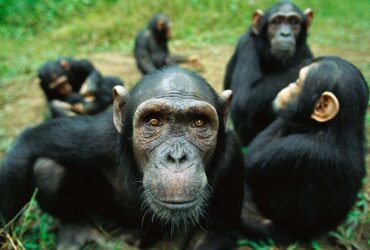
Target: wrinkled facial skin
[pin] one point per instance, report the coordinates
(283, 30)
(292, 91)
(174, 139)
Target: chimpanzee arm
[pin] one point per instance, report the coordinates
(143, 60)
(15, 181)
(60, 109)
(91, 107)
(82, 142)
(101, 88)
(270, 152)
(92, 83)
(229, 70)
(175, 59)
(82, 66)
(239, 50)
(265, 137)
(80, 69)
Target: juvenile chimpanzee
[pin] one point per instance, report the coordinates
(151, 47)
(266, 58)
(164, 164)
(75, 87)
(306, 168)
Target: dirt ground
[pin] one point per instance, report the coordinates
(28, 106)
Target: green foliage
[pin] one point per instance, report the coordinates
(43, 29)
(367, 118)
(32, 231)
(260, 245)
(315, 245)
(24, 17)
(345, 235)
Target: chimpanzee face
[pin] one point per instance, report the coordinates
(292, 91)
(175, 131)
(174, 140)
(61, 85)
(283, 30)
(164, 27)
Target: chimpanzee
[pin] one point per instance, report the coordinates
(164, 164)
(151, 47)
(75, 87)
(306, 168)
(266, 58)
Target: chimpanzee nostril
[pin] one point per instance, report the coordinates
(285, 32)
(182, 159)
(177, 157)
(170, 159)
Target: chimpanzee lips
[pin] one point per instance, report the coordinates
(177, 205)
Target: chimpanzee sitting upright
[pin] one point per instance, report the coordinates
(266, 58)
(306, 168)
(164, 164)
(151, 47)
(75, 87)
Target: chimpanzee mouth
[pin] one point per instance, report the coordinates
(179, 214)
(177, 205)
(282, 54)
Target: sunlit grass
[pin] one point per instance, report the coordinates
(86, 26)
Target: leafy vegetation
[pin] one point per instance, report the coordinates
(33, 31)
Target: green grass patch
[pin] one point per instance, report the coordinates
(43, 30)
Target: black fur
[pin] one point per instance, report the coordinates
(151, 47)
(255, 76)
(78, 72)
(305, 175)
(100, 176)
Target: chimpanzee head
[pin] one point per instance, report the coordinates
(176, 122)
(281, 31)
(329, 90)
(161, 27)
(54, 77)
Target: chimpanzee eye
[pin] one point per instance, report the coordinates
(154, 121)
(277, 20)
(199, 123)
(294, 21)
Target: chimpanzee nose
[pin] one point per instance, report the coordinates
(285, 31)
(177, 157)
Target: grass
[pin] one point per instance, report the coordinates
(33, 31)
(47, 29)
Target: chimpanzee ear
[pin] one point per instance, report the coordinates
(226, 97)
(160, 24)
(256, 20)
(120, 97)
(309, 16)
(326, 108)
(64, 64)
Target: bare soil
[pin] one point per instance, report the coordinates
(27, 106)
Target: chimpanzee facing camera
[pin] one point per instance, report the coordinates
(162, 163)
(266, 59)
